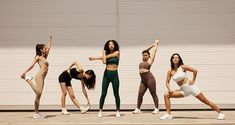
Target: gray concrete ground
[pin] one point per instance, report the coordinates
(90, 118)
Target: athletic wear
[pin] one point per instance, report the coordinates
(113, 60)
(187, 90)
(144, 65)
(66, 77)
(179, 75)
(166, 117)
(137, 111)
(110, 76)
(147, 82)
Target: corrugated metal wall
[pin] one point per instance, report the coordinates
(201, 31)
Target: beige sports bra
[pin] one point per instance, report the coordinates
(43, 61)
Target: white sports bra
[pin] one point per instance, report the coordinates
(179, 75)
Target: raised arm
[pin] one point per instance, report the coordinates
(193, 70)
(153, 54)
(30, 67)
(76, 63)
(151, 46)
(48, 45)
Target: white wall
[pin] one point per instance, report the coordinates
(201, 31)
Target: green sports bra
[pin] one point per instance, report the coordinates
(113, 60)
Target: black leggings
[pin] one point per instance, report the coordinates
(110, 76)
(147, 82)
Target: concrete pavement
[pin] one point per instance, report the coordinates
(90, 118)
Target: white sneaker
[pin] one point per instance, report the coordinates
(118, 115)
(38, 116)
(166, 117)
(137, 111)
(64, 111)
(84, 109)
(156, 111)
(100, 114)
(221, 116)
(28, 78)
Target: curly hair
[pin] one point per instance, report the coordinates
(106, 46)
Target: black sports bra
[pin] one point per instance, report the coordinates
(74, 73)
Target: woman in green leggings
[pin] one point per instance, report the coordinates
(110, 57)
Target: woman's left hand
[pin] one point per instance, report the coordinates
(191, 82)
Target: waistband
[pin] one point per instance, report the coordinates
(185, 85)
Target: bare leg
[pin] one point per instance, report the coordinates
(32, 85)
(203, 99)
(64, 93)
(72, 96)
(167, 96)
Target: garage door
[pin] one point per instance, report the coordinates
(201, 31)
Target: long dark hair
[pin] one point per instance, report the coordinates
(90, 83)
(180, 61)
(39, 48)
(106, 46)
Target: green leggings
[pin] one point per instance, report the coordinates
(110, 76)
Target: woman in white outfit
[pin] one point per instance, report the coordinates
(187, 87)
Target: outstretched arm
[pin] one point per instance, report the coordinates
(30, 67)
(153, 55)
(104, 56)
(49, 44)
(95, 58)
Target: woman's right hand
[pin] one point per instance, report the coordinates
(50, 35)
(157, 41)
(170, 91)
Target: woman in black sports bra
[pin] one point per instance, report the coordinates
(87, 79)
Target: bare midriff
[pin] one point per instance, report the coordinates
(143, 70)
(111, 67)
(184, 81)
